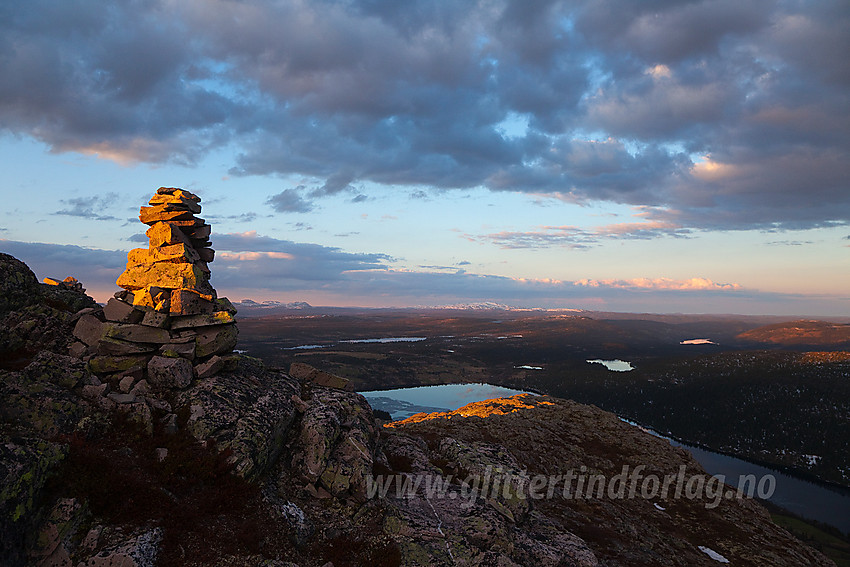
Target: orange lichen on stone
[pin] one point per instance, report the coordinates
(483, 409)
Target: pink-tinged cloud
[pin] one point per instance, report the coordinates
(254, 256)
(692, 284)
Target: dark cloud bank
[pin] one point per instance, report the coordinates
(709, 114)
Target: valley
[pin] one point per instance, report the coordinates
(752, 387)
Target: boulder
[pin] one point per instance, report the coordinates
(155, 319)
(220, 339)
(190, 302)
(118, 347)
(175, 203)
(59, 533)
(182, 349)
(18, 285)
(224, 304)
(201, 320)
(135, 333)
(167, 372)
(209, 368)
(153, 215)
(165, 234)
(201, 232)
(177, 253)
(180, 193)
(153, 298)
(68, 300)
(89, 329)
(107, 364)
(120, 312)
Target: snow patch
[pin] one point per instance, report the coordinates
(713, 554)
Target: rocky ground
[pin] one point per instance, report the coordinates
(258, 466)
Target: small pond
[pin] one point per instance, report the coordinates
(614, 365)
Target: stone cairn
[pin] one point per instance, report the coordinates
(167, 326)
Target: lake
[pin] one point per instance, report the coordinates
(614, 365)
(404, 402)
(824, 503)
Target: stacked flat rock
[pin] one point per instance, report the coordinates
(167, 326)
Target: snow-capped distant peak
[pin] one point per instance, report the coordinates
(480, 306)
(270, 303)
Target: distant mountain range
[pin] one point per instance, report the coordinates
(271, 304)
(250, 304)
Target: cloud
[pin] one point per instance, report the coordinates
(579, 238)
(608, 100)
(274, 264)
(90, 208)
(789, 243)
(243, 217)
(290, 201)
(692, 284)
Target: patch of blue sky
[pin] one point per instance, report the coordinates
(515, 125)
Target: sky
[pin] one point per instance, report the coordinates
(656, 156)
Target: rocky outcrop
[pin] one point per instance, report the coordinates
(546, 438)
(335, 449)
(246, 410)
(18, 287)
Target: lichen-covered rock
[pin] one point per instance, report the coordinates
(137, 551)
(107, 364)
(336, 444)
(58, 534)
(26, 463)
(479, 459)
(165, 372)
(37, 325)
(247, 409)
(218, 339)
(18, 285)
(38, 399)
(68, 300)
